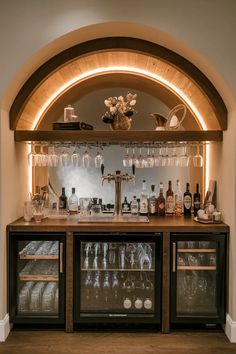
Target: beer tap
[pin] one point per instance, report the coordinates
(118, 178)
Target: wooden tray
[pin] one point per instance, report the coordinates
(203, 221)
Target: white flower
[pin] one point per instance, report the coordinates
(132, 103)
(113, 109)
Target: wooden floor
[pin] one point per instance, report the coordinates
(58, 342)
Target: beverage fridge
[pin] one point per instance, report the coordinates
(117, 279)
(198, 278)
(36, 278)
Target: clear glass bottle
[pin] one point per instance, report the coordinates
(134, 206)
(152, 201)
(178, 200)
(170, 203)
(63, 199)
(73, 202)
(161, 202)
(143, 207)
(69, 111)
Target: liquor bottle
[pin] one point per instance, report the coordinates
(178, 200)
(152, 201)
(187, 201)
(170, 202)
(125, 206)
(161, 202)
(196, 200)
(143, 207)
(63, 199)
(73, 202)
(134, 206)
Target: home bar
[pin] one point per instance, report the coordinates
(117, 187)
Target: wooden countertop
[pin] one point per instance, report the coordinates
(156, 224)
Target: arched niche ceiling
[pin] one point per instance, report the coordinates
(109, 61)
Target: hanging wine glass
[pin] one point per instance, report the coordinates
(98, 159)
(127, 160)
(149, 159)
(157, 158)
(53, 158)
(64, 159)
(184, 158)
(31, 156)
(198, 159)
(75, 157)
(86, 159)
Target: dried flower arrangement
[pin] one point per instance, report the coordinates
(119, 105)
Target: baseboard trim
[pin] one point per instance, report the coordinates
(230, 329)
(4, 328)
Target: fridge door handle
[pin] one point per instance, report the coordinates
(61, 257)
(174, 257)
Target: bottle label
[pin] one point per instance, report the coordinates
(73, 207)
(161, 205)
(170, 205)
(187, 202)
(143, 207)
(152, 206)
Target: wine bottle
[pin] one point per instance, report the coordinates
(178, 200)
(161, 202)
(187, 201)
(170, 203)
(63, 199)
(196, 200)
(144, 200)
(125, 206)
(152, 205)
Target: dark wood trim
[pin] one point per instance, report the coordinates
(117, 136)
(166, 283)
(117, 43)
(69, 282)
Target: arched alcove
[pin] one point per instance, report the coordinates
(139, 63)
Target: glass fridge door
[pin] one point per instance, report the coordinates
(199, 280)
(38, 266)
(117, 278)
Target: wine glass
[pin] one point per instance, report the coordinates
(53, 158)
(98, 160)
(184, 158)
(127, 160)
(150, 159)
(86, 159)
(157, 158)
(198, 159)
(42, 157)
(31, 156)
(75, 157)
(64, 158)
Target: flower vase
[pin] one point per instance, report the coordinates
(121, 122)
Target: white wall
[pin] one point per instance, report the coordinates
(31, 31)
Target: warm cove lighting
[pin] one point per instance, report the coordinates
(122, 69)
